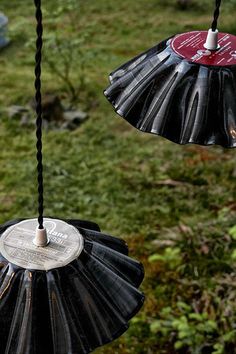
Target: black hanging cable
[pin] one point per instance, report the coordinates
(38, 98)
(216, 15)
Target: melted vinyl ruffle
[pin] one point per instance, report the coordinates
(161, 93)
(73, 309)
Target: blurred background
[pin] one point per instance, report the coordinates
(175, 206)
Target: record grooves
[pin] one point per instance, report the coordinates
(72, 309)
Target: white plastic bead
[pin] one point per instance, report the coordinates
(212, 40)
(41, 238)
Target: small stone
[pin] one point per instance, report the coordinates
(77, 117)
(25, 120)
(68, 126)
(16, 112)
(55, 116)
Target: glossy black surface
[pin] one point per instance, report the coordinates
(73, 309)
(161, 93)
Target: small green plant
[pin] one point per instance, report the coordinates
(232, 232)
(198, 288)
(67, 57)
(171, 257)
(190, 329)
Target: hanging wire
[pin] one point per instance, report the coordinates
(216, 15)
(38, 99)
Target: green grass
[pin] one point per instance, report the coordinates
(112, 174)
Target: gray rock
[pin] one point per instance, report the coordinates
(16, 112)
(54, 116)
(76, 117)
(25, 120)
(69, 125)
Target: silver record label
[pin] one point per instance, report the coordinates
(66, 244)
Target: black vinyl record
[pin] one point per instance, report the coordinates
(73, 308)
(180, 91)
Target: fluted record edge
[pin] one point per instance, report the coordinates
(73, 309)
(162, 93)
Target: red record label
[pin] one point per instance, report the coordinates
(190, 46)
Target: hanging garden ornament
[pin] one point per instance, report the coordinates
(65, 287)
(75, 294)
(183, 89)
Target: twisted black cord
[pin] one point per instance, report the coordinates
(38, 98)
(216, 15)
